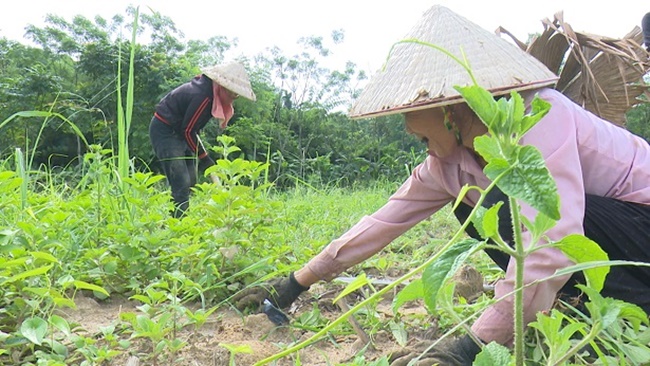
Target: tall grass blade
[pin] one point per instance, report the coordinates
(124, 119)
(22, 173)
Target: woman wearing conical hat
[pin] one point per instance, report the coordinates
(183, 113)
(601, 170)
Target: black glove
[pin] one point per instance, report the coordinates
(281, 292)
(449, 352)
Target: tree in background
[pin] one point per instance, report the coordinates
(298, 122)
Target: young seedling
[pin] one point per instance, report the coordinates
(234, 350)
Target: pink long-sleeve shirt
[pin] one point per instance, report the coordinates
(584, 154)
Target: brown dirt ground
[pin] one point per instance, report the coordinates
(228, 326)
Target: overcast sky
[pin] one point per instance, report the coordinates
(370, 26)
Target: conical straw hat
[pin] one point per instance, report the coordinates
(232, 76)
(417, 76)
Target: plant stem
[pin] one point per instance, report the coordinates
(519, 257)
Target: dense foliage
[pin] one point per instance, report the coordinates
(298, 122)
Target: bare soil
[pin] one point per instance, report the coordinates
(228, 326)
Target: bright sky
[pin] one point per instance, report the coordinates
(370, 26)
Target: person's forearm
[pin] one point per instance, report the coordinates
(305, 276)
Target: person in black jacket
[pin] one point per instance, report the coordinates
(182, 114)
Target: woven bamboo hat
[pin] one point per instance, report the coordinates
(232, 76)
(417, 76)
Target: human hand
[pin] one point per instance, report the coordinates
(449, 352)
(281, 292)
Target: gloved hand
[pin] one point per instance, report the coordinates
(281, 292)
(449, 352)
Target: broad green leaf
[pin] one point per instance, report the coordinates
(494, 354)
(62, 301)
(608, 309)
(581, 249)
(6, 235)
(141, 298)
(89, 286)
(481, 102)
(447, 264)
(488, 148)
(639, 355)
(44, 256)
(34, 329)
(517, 109)
(58, 348)
(539, 109)
(496, 167)
(477, 221)
(410, 292)
(634, 314)
(603, 309)
(528, 180)
(490, 222)
(541, 225)
(358, 282)
(145, 326)
(65, 281)
(31, 273)
(13, 263)
(60, 324)
(503, 127)
(399, 332)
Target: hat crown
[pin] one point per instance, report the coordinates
(417, 76)
(232, 76)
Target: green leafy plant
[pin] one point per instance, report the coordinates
(613, 328)
(234, 349)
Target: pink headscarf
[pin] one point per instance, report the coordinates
(222, 108)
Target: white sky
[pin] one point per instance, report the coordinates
(370, 26)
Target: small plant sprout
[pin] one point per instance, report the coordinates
(234, 350)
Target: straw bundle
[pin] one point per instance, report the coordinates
(602, 74)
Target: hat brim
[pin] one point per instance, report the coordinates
(233, 77)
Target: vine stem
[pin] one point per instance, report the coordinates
(519, 256)
(378, 294)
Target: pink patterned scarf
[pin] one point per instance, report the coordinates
(222, 108)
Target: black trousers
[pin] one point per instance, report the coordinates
(178, 162)
(622, 229)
